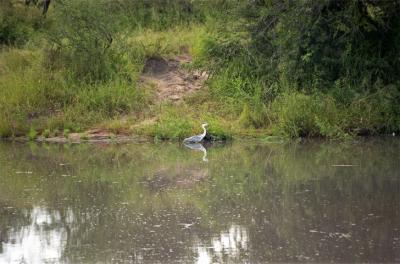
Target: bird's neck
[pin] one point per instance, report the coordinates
(204, 130)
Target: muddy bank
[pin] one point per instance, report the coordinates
(172, 80)
(97, 136)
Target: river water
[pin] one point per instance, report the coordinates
(166, 203)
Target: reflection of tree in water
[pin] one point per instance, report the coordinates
(302, 208)
(177, 177)
(229, 246)
(11, 219)
(39, 239)
(157, 204)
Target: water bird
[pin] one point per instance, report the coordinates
(197, 138)
(199, 147)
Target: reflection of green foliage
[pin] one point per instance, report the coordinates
(118, 194)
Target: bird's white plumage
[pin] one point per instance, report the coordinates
(197, 138)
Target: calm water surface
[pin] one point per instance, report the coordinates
(165, 203)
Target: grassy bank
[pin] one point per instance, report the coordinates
(60, 74)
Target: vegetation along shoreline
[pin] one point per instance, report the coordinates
(77, 71)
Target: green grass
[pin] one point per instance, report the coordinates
(30, 96)
(32, 134)
(296, 114)
(53, 100)
(79, 76)
(168, 43)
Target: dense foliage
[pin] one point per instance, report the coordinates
(315, 44)
(343, 52)
(294, 68)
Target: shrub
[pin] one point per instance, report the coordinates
(46, 133)
(17, 22)
(29, 96)
(295, 114)
(83, 40)
(298, 115)
(375, 113)
(66, 132)
(32, 134)
(161, 14)
(316, 43)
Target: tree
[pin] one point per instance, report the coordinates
(44, 3)
(316, 44)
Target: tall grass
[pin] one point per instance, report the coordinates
(82, 65)
(41, 90)
(31, 97)
(297, 114)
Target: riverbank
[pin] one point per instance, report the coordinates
(159, 71)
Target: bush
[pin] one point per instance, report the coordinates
(31, 97)
(21, 98)
(17, 22)
(32, 135)
(316, 43)
(83, 40)
(161, 14)
(376, 113)
(295, 114)
(298, 115)
(90, 104)
(111, 99)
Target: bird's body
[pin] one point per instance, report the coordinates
(199, 147)
(197, 138)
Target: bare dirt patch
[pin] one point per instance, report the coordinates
(171, 80)
(173, 83)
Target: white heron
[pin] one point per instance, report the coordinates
(197, 138)
(198, 147)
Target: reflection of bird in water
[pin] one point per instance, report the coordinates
(197, 138)
(199, 147)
